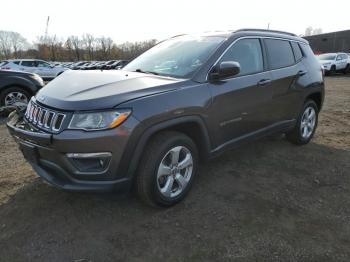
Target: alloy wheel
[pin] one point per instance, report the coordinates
(175, 171)
(14, 97)
(308, 122)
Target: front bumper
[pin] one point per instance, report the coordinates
(48, 154)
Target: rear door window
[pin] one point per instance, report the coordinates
(279, 53)
(30, 63)
(247, 52)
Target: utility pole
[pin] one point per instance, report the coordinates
(268, 26)
(47, 28)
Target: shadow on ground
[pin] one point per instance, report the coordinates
(267, 201)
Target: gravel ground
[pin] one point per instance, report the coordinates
(267, 201)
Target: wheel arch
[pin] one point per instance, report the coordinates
(192, 126)
(317, 98)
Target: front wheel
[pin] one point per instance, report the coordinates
(167, 169)
(333, 70)
(12, 95)
(306, 124)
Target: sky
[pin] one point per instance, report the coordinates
(138, 20)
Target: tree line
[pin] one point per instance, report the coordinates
(72, 48)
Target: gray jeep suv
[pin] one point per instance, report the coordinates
(188, 98)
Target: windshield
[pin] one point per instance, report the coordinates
(326, 57)
(176, 57)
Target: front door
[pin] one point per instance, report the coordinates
(241, 104)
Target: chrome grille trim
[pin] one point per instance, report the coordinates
(54, 121)
(44, 118)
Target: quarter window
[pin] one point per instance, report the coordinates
(280, 53)
(297, 52)
(247, 52)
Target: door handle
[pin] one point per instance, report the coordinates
(302, 72)
(264, 82)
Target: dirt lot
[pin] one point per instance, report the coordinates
(267, 201)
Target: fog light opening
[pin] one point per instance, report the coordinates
(90, 162)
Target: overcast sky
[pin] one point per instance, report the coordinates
(132, 20)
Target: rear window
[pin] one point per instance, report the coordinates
(297, 52)
(2, 63)
(280, 53)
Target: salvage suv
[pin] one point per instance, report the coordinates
(188, 98)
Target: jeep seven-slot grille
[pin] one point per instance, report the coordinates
(44, 118)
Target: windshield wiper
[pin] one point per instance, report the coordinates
(146, 72)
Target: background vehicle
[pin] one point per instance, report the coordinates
(334, 62)
(77, 65)
(40, 67)
(117, 64)
(187, 98)
(18, 86)
(106, 64)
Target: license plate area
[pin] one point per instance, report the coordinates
(30, 152)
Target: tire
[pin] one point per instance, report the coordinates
(19, 95)
(333, 70)
(298, 135)
(157, 188)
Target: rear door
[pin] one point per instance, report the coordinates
(289, 75)
(44, 69)
(341, 61)
(241, 103)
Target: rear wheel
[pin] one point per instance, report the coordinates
(13, 95)
(306, 124)
(167, 169)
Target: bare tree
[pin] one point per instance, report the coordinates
(89, 44)
(11, 43)
(311, 31)
(74, 48)
(76, 43)
(18, 43)
(317, 31)
(308, 31)
(105, 46)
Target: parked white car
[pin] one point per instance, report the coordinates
(40, 67)
(334, 62)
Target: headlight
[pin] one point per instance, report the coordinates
(98, 120)
(37, 78)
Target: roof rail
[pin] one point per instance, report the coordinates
(265, 30)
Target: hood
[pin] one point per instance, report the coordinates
(90, 90)
(15, 73)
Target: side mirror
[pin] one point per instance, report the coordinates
(225, 70)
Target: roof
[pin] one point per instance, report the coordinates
(254, 32)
